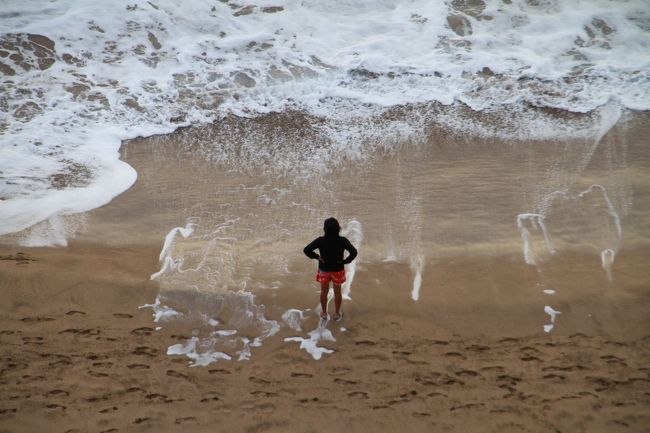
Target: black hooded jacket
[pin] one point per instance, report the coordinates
(331, 252)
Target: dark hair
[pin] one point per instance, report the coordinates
(331, 227)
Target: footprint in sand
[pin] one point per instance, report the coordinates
(529, 358)
(53, 407)
(564, 368)
(158, 398)
(123, 316)
(108, 409)
(176, 374)
(210, 396)
(57, 393)
(477, 348)
(370, 357)
(554, 377)
(9, 410)
(265, 394)
(138, 367)
(384, 372)
(359, 394)
(345, 381)
(259, 380)
(185, 420)
(96, 374)
(527, 350)
(81, 331)
(455, 355)
(467, 373)
(336, 371)
(420, 414)
(302, 375)
(496, 368)
(508, 379)
(448, 380)
(308, 400)
(146, 351)
(466, 406)
(33, 340)
(364, 343)
(96, 356)
(611, 359)
(36, 319)
(143, 331)
(27, 378)
(218, 371)
(141, 420)
(408, 395)
(97, 398)
(63, 361)
(75, 313)
(134, 389)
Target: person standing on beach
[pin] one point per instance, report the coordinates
(331, 264)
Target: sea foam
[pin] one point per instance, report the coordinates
(81, 76)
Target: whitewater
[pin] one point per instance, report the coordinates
(79, 77)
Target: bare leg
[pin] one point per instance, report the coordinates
(338, 299)
(324, 290)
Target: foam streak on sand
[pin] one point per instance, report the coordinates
(166, 253)
(354, 232)
(537, 223)
(551, 312)
(310, 345)
(161, 312)
(293, 319)
(417, 264)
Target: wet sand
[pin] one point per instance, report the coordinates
(469, 354)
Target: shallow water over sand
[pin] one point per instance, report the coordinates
(475, 236)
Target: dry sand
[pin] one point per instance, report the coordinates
(77, 355)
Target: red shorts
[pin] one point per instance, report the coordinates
(337, 277)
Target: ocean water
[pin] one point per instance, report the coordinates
(288, 112)
(78, 77)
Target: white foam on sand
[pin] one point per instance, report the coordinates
(197, 275)
(590, 215)
(354, 232)
(293, 318)
(417, 265)
(607, 257)
(527, 222)
(310, 345)
(161, 312)
(553, 313)
(549, 292)
(166, 257)
(198, 358)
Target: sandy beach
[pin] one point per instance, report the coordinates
(163, 163)
(466, 353)
(78, 356)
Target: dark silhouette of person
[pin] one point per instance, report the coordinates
(331, 264)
